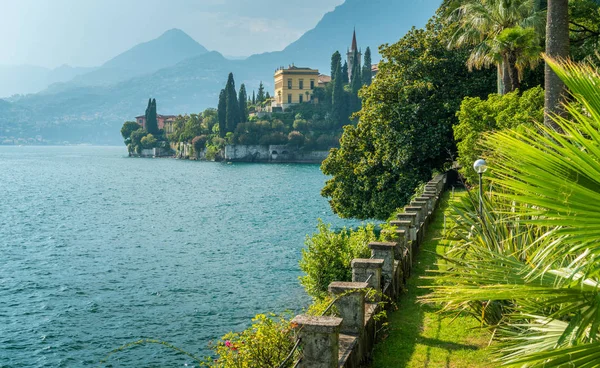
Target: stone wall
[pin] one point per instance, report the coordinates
(347, 341)
(272, 153)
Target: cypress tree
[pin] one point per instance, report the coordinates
(222, 113)
(243, 101)
(261, 93)
(253, 97)
(367, 74)
(232, 114)
(345, 77)
(336, 62)
(151, 118)
(146, 116)
(267, 96)
(356, 84)
(338, 99)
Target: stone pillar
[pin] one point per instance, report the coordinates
(351, 305)
(385, 251)
(320, 341)
(420, 215)
(364, 269)
(427, 199)
(407, 217)
(424, 205)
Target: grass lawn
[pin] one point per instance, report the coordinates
(419, 336)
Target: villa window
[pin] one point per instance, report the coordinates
(300, 98)
(289, 98)
(289, 84)
(312, 84)
(301, 84)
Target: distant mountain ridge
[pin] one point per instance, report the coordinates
(23, 79)
(88, 111)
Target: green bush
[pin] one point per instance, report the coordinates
(328, 256)
(264, 344)
(477, 116)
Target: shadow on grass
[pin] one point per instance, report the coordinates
(412, 326)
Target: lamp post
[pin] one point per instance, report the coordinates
(480, 167)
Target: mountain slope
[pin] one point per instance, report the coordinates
(23, 79)
(170, 48)
(167, 50)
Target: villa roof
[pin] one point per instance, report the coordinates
(323, 79)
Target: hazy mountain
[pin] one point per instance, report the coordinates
(184, 78)
(23, 79)
(167, 50)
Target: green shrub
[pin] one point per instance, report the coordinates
(328, 256)
(264, 344)
(477, 117)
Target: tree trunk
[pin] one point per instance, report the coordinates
(499, 76)
(557, 46)
(506, 81)
(513, 72)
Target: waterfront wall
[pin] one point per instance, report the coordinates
(272, 153)
(347, 341)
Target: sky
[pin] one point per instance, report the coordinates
(51, 33)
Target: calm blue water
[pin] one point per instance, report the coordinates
(98, 250)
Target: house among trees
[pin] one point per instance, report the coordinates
(161, 119)
(294, 85)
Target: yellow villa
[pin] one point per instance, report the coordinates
(294, 85)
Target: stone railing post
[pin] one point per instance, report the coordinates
(427, 199)
(320, 341)
(368, 270)
(402, 219)
(351, 305)
(386, 251)
(419, 211)
(425, 208)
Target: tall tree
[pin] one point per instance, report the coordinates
(261, 93)
(232, 110)
(336, 62)
(367, 74)
(479, 23)
(338, 100)
(222, 114)
(557, 46)
(355, 84)
(243, 101)
(345, 76)
(253, 97)
(152, 118)
(267, 96)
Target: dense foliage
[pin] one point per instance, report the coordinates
(498, 112)
(328, 256)
(529, 270)
(405, 127)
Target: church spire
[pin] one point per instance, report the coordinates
(354, 45)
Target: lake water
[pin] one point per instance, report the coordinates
(98, 250)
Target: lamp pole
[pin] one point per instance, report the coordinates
(480, 167)
(480, 194)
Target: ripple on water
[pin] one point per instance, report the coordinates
(100, 250)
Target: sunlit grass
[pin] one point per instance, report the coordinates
(419, 336)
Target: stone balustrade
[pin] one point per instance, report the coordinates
(347, 341)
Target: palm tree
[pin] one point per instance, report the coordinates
(557, 46)
(536, 267)
(480, 22)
